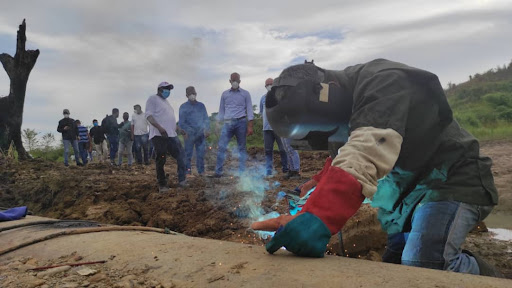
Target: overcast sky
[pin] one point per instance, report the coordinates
(96, 55)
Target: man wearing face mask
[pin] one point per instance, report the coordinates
(98, 138)
(236, 112)
(69, 130)
(162, 133)
(402, 148)
(269, 137)
(194, 120)
(140, 134)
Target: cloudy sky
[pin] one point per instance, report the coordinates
(96, 55)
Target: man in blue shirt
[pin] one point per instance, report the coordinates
(83, 141)
(236, 112)
(269, 136)
(195, 122)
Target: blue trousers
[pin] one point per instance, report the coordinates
(195, 139)
(438, 231)
(142, 141)
(269, 137)
(237, 128)
(293, 155)
(113, 141)
(82, 147)
(68, 143)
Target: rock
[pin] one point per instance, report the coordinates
(153, 284)
(70, 285)
(86, 284)
(53, 271)
(129, 277)
(97, 278)
(32, 262)
(480, 227)
(26, 267)
(78, 258)
(125, 284)
(373, 256)
(45, 286)
(36, 283)
(86, 271)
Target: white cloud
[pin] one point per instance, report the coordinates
(96, 55)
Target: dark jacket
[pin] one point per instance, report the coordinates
(110, 126)
(72, 132)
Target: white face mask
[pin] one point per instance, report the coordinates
(234, 85)
(135, 111)
(192, 97)
(66, 115)
(269, 87)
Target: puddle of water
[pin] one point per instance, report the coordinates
(499, 220)
(501, 234)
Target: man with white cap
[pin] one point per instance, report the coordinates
(162, 133)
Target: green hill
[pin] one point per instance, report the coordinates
(483, 105)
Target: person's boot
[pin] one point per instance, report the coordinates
(486, 269)
(292, 175)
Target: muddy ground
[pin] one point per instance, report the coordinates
(215, 208)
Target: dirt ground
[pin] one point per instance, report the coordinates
(216, 208)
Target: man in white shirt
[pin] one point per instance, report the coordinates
(140, 134)
(162, 132)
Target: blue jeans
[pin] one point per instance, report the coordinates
(113, 141)
(164, 146)
(437, 233)
(269, 137)
(195, 138)
(82, 147)
(142, 141)
(293, 155)
(68, 143)
(237, 128)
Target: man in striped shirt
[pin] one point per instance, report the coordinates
(83, 141)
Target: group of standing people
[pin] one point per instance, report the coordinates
(111, 139)
(155, 132)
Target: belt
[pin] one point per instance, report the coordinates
(239, 118)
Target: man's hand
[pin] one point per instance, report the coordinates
(185, 135)
(163, 133)
(249, 129)
(304, 188)
(206, 134)
(66, 127)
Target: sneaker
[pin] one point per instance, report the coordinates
(163, 189)
(79, 164)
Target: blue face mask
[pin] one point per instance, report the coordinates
(95, 124)
(166, 93)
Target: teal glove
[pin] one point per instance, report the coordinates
(306, 235)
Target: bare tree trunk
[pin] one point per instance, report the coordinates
(11, 107)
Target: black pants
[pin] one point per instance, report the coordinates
(171, 145)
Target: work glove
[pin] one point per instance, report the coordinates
(336, 198)
(304, 188)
